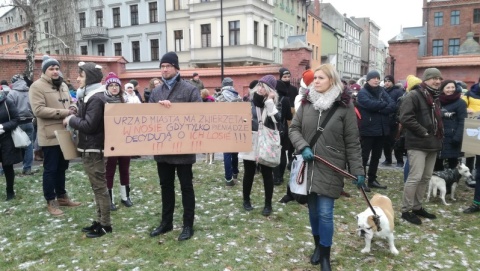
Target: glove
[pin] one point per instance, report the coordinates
(446, 114)
(307, 154)
(360, 181)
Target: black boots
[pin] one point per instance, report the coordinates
(112, 204)
(325, 258)
(91, 228)
(99, 231)
(267, 210)
(125, 192)
(315, 258)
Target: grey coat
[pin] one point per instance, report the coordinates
(182, 92)
(339, 144)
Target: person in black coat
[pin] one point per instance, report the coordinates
(375, 107)
(283, 107)
(395, 93)
(9, 155)
(454, 112)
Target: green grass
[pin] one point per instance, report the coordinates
(226, 237)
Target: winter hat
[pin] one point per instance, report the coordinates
(16, 77)
(372, 74)
(47, 62)
(355, 87)
(112, 78)
(283, 71)
(194, 74)
(269, 80)
(431, 73)
(134, 83)
(253, 84)
(307, 78)
(412, 81)
(129, 85)
(389, 78)
(93, 72)
(170, 58)
(227, 81)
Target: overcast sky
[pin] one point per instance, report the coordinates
(389, 15)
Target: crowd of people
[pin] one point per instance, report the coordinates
(422, 120)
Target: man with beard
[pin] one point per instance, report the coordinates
(175, 90)
(375, 106)
(420, 116)
(292, 93)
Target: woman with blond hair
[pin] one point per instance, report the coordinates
(338, 143)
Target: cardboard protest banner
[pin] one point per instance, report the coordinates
(471, 137)
(152, 129)
(68, 147)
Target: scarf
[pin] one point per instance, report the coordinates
(434, 104)
(170, 83)
(323, 101)
(448, 99)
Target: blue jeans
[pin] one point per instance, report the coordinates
(230, 163)
(28, 155)
(476, 195)
(54, 167)
(406, 169)
(320, 212)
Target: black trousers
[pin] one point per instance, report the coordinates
(249, 175)
(389, 145)
(166, 173)
(372, 145)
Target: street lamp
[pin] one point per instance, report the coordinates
(221, 39)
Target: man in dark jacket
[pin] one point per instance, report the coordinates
(286, 116)
(292, 93)
(375, 107)
(420, 116)
(175, 90)
(395, 93)
(90, 125)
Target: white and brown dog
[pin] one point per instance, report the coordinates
(366, 225)
(447, 181)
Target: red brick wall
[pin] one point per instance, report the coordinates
(448, 31)
(296, 60)
(405, 54)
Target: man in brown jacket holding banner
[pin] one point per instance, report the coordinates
(51, 103)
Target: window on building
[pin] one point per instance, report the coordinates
(206, 35)
(1, 40)
(24, 34)
(101, 49)
(67, 51)
(313, 25)
(265, 36)
(476, 15)
(281, 29)
(234, 32)
(135, 51)
(455, 17)
(57, 52)
(153, 12)
(16, 37)
(47, 52)
(116, 17)
(437, 48)
(438, 19)
(99, 15)
(117, 47)
(176, 4)
(134, 14)
(453, 46)
(45, 27)
(154, 49)
(82, 19)
(84, 50)
(8, 39)
(178, 34)
(255, 33)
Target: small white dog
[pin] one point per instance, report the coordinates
(447, 180)
(366, 225)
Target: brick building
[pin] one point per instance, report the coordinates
(447, 24)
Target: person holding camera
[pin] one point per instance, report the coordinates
(454, 112)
